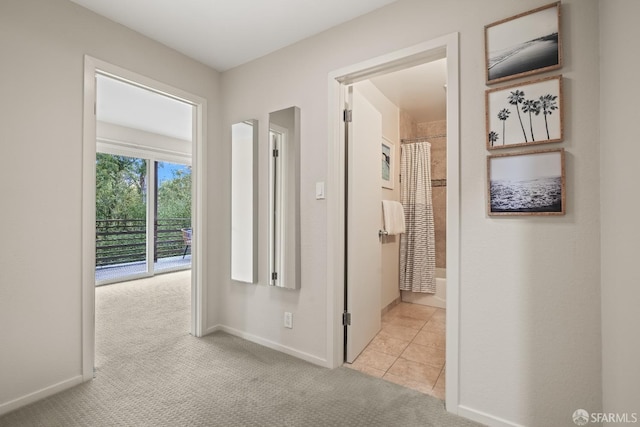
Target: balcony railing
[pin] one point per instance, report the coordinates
(121, 241)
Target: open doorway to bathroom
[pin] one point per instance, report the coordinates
(409, 112)
(349, 283)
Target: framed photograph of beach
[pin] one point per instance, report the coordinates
(387, 158)
(526, 113)
(524, 44)
(529, 183)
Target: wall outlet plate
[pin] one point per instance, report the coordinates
(288, 320)
(319, 190)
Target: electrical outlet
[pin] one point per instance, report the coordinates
(288, 320)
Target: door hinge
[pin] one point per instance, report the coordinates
(347, 116)
(274, 275)
(276, 152)
(346, 318)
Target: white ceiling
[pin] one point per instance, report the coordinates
(226, 33)
(131, 106)
(419, 91)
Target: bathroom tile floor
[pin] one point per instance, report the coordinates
(409, 349)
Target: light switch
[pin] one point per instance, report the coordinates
(319, 190)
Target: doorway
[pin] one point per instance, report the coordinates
(119, 146)
(444, 47)
(404, 112)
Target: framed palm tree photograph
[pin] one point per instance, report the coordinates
(525, 114)
(524, 44)
(529, 183)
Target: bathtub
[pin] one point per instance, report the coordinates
(439, 299)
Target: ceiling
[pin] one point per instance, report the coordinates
(226, 33)
(418, 91)
(131, 106)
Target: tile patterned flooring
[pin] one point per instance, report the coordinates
(409, 349)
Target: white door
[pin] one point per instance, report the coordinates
(364, 141)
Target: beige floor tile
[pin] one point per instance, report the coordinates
(416, 334)
(398, 332)
(440, 315)
(438, 392)
(375, 359)
(415, 311)
(402, 320)
(431, 339)
(358, 366)
(415, 371)
(388, 345)
(409, 383)
(439, 388)
(433, 356)
(434, 326)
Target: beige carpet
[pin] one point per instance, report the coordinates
(151, 372)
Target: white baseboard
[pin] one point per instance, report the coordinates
(484, 418)
(270, 344)
(38, 395)
(211, 330)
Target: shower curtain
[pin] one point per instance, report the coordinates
(417, 244)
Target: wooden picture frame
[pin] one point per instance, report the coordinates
(524, 44)
(388, 160)
(526, 113)
(526, 183)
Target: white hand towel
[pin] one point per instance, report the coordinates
(393, 217)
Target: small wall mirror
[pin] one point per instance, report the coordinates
(244, 201)
(284, 198)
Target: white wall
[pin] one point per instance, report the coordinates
(390, 248)
(42, 45)
(530, 287)
(619, 153)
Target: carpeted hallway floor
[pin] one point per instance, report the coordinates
(151, 372)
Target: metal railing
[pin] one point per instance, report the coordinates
(121, 241)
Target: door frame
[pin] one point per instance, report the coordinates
(198, 267)
(443, 47)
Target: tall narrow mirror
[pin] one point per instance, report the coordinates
(244, 201)
(284, 198)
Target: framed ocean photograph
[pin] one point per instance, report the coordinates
(524, 114)
(524, 44)
(387, 158)
(529, 183)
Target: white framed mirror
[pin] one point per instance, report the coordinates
(244, 201)
(284, 198)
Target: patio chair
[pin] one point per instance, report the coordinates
(186, 236)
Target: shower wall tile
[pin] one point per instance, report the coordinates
(432, 128)
(439, 196)
(408, 127)
(438, 158)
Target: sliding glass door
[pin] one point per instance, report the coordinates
(143, 217)
(172, 216)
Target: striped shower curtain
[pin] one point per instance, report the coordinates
(417, 245)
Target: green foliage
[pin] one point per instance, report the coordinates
(174, 196)
(120, 187)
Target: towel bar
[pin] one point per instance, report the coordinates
(382, 233)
